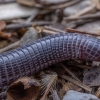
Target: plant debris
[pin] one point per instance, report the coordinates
(24, 89)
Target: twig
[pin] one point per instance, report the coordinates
(32, 16)
(83, 66)
(42, 29)
(89, 16)
(76, 83)
(11, 46)
(21, 25)
(76, 23)
(53, 29)
(74, 63)
(84, 11)
(48, 30)
(61, 6)
(74, 30)
(29, 3)
(70, 73)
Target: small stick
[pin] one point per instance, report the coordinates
(74, 63)
(89, 16)
(53, 29)
(32, 16)
(11, 46)
(70, 73)
(42, 29)
(84, 11)
(76, 23)
(76, 83)
(74, 30)
(21, 25)
(83, 66)
(48, 30)
(61, 6)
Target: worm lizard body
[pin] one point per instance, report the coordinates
(29, 59)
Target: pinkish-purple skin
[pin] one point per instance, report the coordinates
(29, 59)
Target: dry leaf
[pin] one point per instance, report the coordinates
(48, 83)
(69, 86)
(24, 89)
(5, 35)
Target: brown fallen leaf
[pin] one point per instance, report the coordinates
(5, 35)
(24, 89)
(2, 25)
(30, 36)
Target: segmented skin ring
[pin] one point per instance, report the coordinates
(29, 59)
